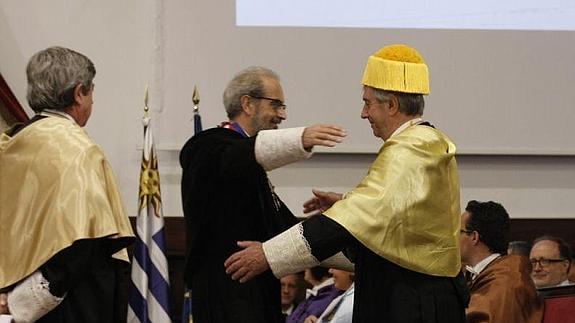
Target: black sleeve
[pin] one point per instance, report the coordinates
(222, 151)
(326, 237)
(70, 266)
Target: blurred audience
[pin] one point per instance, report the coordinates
(550, 259)
(318, 297)
(291, 287)
(519, 248)
(340, 310)
(500, 287)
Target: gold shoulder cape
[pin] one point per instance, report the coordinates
(407, 207)
(56, 187)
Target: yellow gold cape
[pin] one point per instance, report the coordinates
(407, 207)
(56, 187)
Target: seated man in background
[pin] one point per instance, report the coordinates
(317, 298)
(519, 248)
(340, 310)
(550, 258)
(501, 289)
(291, 286)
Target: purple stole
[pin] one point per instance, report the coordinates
(235, 127)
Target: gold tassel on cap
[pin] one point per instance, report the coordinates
(397, 68)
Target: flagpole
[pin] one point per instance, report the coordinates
(197, 117)
(187, 306)
(149, 300)
(196, 99)
(146, 109)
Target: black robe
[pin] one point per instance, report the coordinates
(94, 283)
(384, 291)
(227, 198)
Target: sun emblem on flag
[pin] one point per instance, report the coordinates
(150, 183)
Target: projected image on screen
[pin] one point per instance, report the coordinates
(414, 14)
(501, 72)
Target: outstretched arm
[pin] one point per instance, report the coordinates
(302, 246)
(276, 148)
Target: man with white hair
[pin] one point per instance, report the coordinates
(227, 195)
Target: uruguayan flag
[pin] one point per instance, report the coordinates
(150, 285)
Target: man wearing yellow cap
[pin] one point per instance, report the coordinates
(400, 225)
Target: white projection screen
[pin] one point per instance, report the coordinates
(502, 72)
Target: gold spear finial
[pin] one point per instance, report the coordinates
(196, 98)
(146, 109)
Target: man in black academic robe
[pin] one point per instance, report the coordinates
(227, 196)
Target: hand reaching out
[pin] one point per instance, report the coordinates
(322, 135)
(320, 202)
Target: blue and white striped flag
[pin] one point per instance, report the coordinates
(150, 284)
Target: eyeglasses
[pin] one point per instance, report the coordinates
(543, 262)
(275, 103)
(466, 231)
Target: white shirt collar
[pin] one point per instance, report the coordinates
(289, 310)
(247, 134)
(565, 283)
(56, 113)
(316, 288)
(406, 125)
(478, 268)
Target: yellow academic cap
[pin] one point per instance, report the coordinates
(397, 68)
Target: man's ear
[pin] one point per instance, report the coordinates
(247, 104)
(475, 237)
(79, 94)
(393, 105)
(567, 265)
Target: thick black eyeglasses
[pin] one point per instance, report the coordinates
(466, 231)
(543, 262)
(275, 103)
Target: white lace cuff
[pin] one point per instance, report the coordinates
(289, 252)
(276, 148)
(31, 299)
(338, 261)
